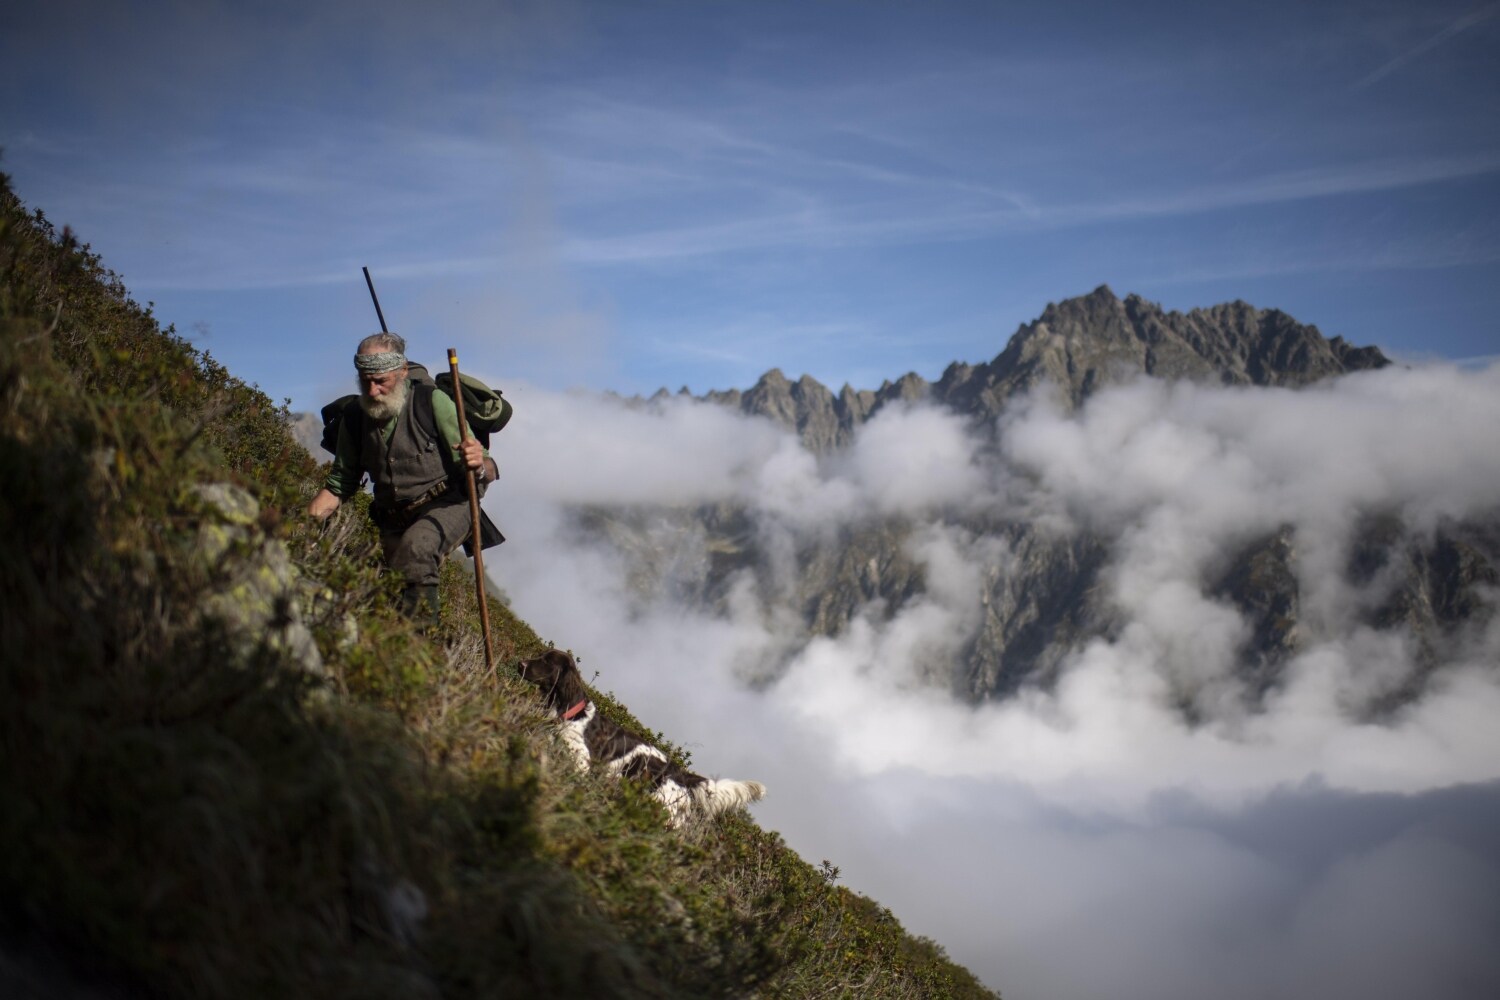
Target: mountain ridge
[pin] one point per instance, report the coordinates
(1078, 346)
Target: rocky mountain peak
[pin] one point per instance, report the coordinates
(1077, 346)
(1082, 344)
(823, 421)
(1100, 312)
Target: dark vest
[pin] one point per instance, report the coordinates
(415, 461)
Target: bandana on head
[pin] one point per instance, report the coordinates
(379, 364)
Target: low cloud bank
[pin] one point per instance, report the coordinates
(1082, 841)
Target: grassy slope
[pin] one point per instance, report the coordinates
(199, 817)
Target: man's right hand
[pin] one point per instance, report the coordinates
(325, 503)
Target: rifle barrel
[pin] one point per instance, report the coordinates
(375, 299)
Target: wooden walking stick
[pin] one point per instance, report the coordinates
(463, 430)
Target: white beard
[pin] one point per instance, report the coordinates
(386, 407)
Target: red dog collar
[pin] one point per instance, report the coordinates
(570, 713)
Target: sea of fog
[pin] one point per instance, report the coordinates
(1083, 841)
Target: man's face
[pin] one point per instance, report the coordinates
(385, 384)
(382, 396)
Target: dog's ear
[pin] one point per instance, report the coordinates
(540, 670)
(568, 681)
(555, 665)
(555, 673)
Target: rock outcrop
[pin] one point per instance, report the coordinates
(257, 593)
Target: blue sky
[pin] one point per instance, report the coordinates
(629, 196)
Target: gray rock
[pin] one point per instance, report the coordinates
(307, 429)
(256, 592)
(1261, 583)
(1041, 607)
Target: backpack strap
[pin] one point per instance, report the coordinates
(423, 415)
(421, 408)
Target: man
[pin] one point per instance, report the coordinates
(408, 442)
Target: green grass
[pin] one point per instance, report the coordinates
(203, 807)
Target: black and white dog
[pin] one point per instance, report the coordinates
(592, 737)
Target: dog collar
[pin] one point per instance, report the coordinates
(570, 713)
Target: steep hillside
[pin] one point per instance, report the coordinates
(230, 770)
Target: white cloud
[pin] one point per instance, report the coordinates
(1180, 477)
(908, 461)
(1006, 828)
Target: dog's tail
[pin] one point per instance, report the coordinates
(719, 795)
(706, 797)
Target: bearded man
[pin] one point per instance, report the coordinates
(409, 444)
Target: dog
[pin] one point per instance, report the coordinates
(592, 737)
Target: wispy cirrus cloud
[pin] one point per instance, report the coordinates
(753, 156)
(891, 209)
(828, 222)
(1453, 29)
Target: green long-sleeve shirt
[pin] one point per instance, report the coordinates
(344, 475)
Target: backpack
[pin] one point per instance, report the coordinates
(486, 410)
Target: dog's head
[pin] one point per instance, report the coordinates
(555, 673)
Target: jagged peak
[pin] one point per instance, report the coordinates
(1101, 296)
(908, 387)
(809, 386)
(774, 377)
(1082, 312)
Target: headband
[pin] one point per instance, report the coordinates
(379, 364)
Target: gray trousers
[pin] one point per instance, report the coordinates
(418, 552)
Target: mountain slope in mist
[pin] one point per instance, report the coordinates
(983, 453)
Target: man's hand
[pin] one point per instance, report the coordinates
(325, 503)
(473, 454)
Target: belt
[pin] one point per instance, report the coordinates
(403, 514)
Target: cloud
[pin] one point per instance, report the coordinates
(1081, 840)
(1456, 27)
(913, 461)
(273, 193)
